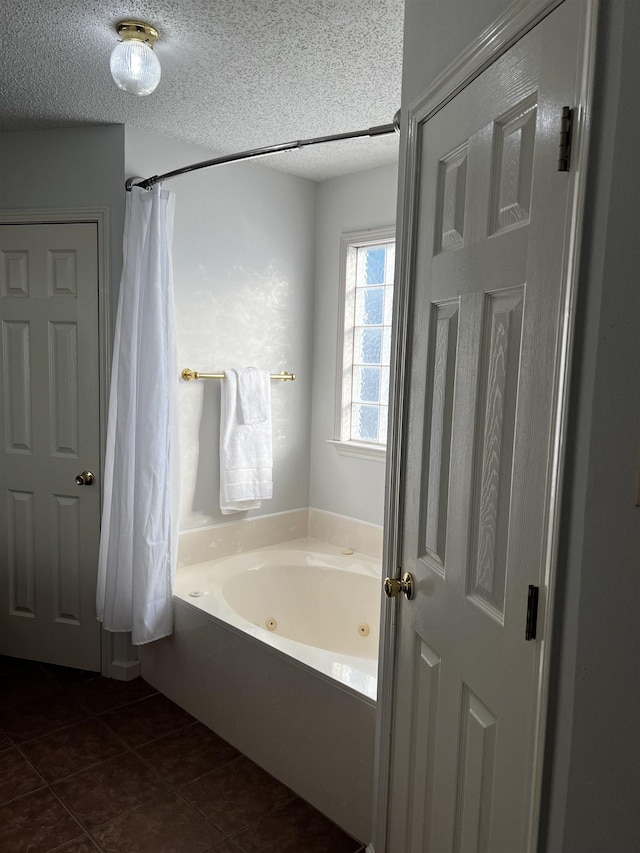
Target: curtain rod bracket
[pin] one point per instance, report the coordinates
(143, 183)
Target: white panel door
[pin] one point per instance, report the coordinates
(488, 321)
(49, 434)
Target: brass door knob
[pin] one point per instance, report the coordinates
(85, 479)
(393, 586)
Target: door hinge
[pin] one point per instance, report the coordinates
(566, 128)
(532, 613)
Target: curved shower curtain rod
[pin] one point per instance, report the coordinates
(379, 130)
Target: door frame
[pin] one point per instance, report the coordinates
(99, 216)
(490, 45)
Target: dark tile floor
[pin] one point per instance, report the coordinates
(90, 764)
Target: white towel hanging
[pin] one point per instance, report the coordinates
(246, 458)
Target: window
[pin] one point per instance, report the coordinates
(367, 262)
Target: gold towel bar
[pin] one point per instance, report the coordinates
(188, 374)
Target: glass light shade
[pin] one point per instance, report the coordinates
(135, 67)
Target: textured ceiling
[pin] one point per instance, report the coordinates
(236, 74)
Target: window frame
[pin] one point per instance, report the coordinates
(350, 242)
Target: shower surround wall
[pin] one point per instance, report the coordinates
(243, 258)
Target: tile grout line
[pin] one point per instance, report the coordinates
(124, 748)
(174, 788)
(90, 831)
(178, 787)
(179, 791)
(279, 808)
(202, 814)
(147, 742)
(85, 829)
(72, 815)
(251, 823)
(95, 846)
(52, 732)
(67, 690)
(61, 847)
(45, 784)
(134, 751)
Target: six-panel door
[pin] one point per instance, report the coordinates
(49, 435)
(488, 326)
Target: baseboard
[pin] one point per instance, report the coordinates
(125, 670)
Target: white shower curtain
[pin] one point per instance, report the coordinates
(138, 542)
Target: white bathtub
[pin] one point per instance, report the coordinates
(276, 650)
(318, 606)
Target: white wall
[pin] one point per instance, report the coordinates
(243, 271)
(436, 32)
(72, 168)
(593, 765)
(592, 784)
(343, 484)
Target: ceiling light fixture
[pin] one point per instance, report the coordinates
(134, 66)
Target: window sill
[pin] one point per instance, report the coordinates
(360, 450)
